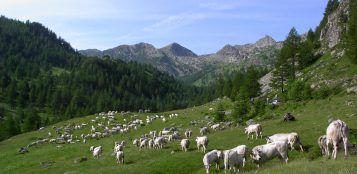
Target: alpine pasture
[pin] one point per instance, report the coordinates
(312, 120)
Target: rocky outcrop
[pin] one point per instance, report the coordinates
(176, 50)
(265, 82)
(331, 34)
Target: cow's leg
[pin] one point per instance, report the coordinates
(256, 135)
(207, 168)
(345, 144)
(327, 149)
(334, 149)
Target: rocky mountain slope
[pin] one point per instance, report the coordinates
(180, 61)
(334, 69)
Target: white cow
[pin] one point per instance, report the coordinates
(323, 146)
(268, 151)
(291, 138)
(204, 131)
(151, 143)
(188, 133)
(215, 127)
(242, 150)
(185, 143)
(136, 142)
(336, 132)
(232, 160)
(96, 151)
(159, 142)
(202, 141)
(118, 147)
(212, 157)
(144, 143)
(254, 128)
(120, 157)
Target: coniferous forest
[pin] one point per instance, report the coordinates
(42, 73)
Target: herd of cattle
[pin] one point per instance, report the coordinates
(105, 124)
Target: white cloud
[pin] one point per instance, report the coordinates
(173, 22)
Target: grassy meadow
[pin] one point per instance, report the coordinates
(311, 122)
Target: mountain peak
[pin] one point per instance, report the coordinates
(265, 41)
(175, 49)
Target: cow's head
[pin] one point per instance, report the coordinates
(256, 154)
(220, 154)
(268, 140)
(245, 130)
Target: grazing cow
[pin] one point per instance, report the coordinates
(268, 151)
(291, 138)
(144, 143)
(151, 143)
(185, 143)
(242, 150)
(202, 141)
(288, 117)
(232, 160)
(336, 132)
(254, 128)
(204, 131)
(212, 157)
(23, 150)
(188, 134)
(136, 142)
(323, 146)
(215, 127)
(96, 151)
(120, 157)
(159, 142)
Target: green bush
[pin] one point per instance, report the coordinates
(314, 153)
(322, 93)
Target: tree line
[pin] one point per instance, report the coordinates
(43, 80)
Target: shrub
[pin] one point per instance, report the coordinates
(322, 93)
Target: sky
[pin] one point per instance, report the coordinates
(203, 26)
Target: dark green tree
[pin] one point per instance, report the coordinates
(351, 35)
(219, 114)
(32, 120)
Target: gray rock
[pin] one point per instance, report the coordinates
(352, 90)
(81, 159)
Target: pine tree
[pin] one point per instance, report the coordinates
(32, 120)
(352, 33)
(240, 110)
(285, 68)
(219, 115)
(12, 94)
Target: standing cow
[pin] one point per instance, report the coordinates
(254, 128)
(336, 132)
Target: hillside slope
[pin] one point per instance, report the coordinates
(311, 123)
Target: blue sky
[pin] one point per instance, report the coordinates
(204, 26)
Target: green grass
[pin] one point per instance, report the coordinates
(311, 123)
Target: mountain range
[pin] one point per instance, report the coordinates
(182, 62)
